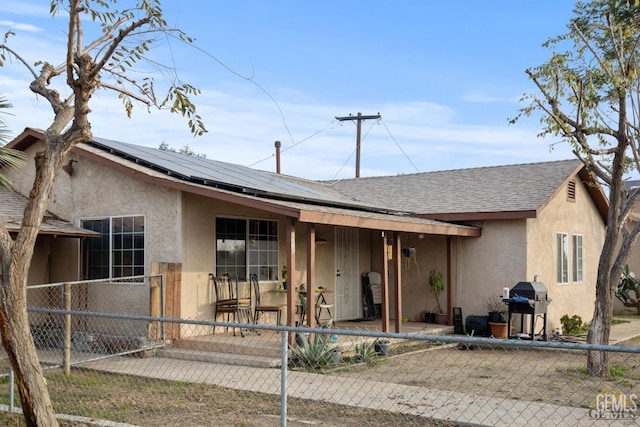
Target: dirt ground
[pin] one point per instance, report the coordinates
(550, 376)
(547, 376)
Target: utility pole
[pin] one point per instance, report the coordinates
(359, 119)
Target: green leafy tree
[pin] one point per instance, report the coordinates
(588, 94)
(110, 63)
(185, 149)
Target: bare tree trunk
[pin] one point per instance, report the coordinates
(18, 343)
(16, 259)
(598, 361)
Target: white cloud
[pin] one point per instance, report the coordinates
(243, 124)
(243, 129)
(20, 26)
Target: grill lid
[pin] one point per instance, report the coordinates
(530, 290)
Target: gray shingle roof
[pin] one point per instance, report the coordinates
(12, 206)
(520, 187)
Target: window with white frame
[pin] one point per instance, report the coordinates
(119, 252)
(577, 258)
(562, 253)
(247, 246)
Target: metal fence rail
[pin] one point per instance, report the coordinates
(279, 375)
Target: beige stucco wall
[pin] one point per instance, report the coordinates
(95, 190)
(573, 218)
(198, 249)
(430, 253)
(180, 227)
(486, 264)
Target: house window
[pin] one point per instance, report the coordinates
(247, 246)
(577, 258)
(119, 252)
(562, 251)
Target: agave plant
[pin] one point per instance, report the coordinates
(314, 353)
(363, 351)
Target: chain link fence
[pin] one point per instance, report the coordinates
(104, 368)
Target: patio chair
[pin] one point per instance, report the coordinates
(322, 304)
(263, 308)
(301, 307)
(231, 300)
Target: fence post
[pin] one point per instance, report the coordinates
(155, 289)
(11, 390)
(67, 329)
(284, 344)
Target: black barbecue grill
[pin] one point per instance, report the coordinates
(529, 299)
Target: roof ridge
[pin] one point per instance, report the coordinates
(451, 170)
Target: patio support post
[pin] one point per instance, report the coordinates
(291, 268)
(398, 278)
(384, 279)
(451, 256)
(311, 275)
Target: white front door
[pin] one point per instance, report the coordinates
(347, 291)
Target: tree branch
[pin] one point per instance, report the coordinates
(19, 59)
(123, 91)
(116, 42)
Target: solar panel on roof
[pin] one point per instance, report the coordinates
(226, 175)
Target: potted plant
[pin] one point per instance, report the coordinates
(284, 276)
(497, 318)
(381, 347)
(429, 317)
(437, 285)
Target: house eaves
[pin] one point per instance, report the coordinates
(303, 212)
(12, 206)
(227, 176)
(495, 192)
(235, 178)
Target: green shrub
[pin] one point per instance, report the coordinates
(573, 325)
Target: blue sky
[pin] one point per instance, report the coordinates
(445, 77)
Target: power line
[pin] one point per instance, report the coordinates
(294, 144)
(399, 147)
(251, 80)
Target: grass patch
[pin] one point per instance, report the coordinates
(619, 321)
(618, 372)
(628, 315)
(141, 401)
